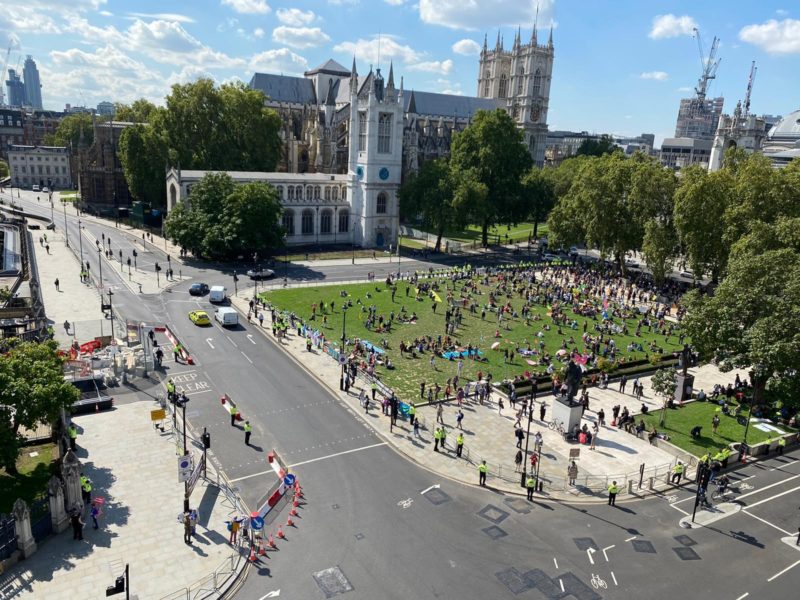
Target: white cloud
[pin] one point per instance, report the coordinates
(164, 17)
(480, 14)
(370, 50)
(300, 37)
(295, 17)
(169, 42)
(258, 32)
(281, 60)
(395, 2)
(28, 19)
(467, 47)
(343, 2)
(670, 26)
(445, 86)
(685, 88)
(106, 13)
(781, 12)
(248, 7)
(656, 75)
(774, 37)
(433, 66)
(188, 74)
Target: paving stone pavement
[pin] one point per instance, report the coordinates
(136, 473)
(490, 436)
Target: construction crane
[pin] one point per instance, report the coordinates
(751, 79)
(3, 72)
(708, 65)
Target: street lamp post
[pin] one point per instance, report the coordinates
(527, 439)
(398, 251)
(343, 351)
(52, 212)
(111, 312)
(158, 278)
(100, 262)
(66, 231)
(80, 239)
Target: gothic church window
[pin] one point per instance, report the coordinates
(316, 192)
(327, 193)
(503, 86)
(344, 221)
(326, 216)
(290, 192)
(520, 77)
(362, 131)
(537, 83)
(298, 192)
(486, 77)
(309, 192)
(380, 205)
(384, 133)
(307, 222)
(280, 192)
(288, 222)
(335, 191)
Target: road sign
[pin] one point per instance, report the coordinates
(256, 523)
(184, 467)
(159, 414)
(289, 480)
(574, 452)
(342, 359)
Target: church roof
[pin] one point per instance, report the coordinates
(448, 105)
(284, 88)
(329, 67)
(788, 128)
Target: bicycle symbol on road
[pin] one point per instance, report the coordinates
(745, 486)
(597, 582)
(405, 503)
(670, 499)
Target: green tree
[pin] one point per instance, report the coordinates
(221, 220)
(701, 202)
(751, 320)
(538, 190)
(429, 194)
(138, 112)
(71, 128)
(32, 392)
(4, 172)
(144, 154)
(492, 148)
(664, 382)
(597, 147)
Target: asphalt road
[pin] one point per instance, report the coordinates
(368, 531)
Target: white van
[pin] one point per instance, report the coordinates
(217, 293)
(227, 317)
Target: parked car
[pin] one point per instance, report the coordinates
(550, 257)
(198, 289)
(35, 188)
(227, 317)
(260, 273)
(686, 273)
(51, 226)
(199, 317)
(631, 263)
(46, 190)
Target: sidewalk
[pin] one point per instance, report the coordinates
(136, 474)
(490, 436)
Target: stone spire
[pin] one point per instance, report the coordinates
(390, 82)
(485, 41)
(534, 34)
(550, 41)
(354, 77)
(498, 45)
(518, 38)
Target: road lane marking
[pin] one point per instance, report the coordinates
(607, 548)
(745, 595)
(208, 341)
(250, 337)
(772, 485)
(771, 497)
(251, 476)
(231, 341)
(562, 585)
(589, 552)
(791, 566)
(631, 538)
(247, 357)
(433, 487)
(614, 578)
(305, 462)
(555, 562)
(766, 522)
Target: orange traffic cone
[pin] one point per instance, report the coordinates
(289, 522)
(280, 533)
(296, 502)
(252, 553)
(271, 541)
(293, 512)
(261, 550)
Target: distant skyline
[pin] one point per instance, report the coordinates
(621, 66)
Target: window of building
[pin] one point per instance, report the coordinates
(316, 192)
(520, 77)
(325, 220)
(307, 222)
(279, 189)
(384, 133)
(298, 192)
(344, 192)
(290, 192)
(40, 169)
(288, 222)
(537, 83)
(486, 77)
(362, 131)
(47, 169)
(327, 193)
(22, 168)
(380, 205)
(63, 170)
(344, 221)
(503, 92)
(335, 193)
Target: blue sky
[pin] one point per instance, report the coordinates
(621, 65)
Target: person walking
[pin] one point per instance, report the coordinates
(459, 444)
(677, 473)
(781, 445)
(86, 489)
(95, 513)
(613, 490)
(595, 431)
(572, 472)
(232, 410)
(436, 437)
(542, 409)
(601, 417)
(248, 430)
(58, 285)
(439, 413)
(622, 383)
(518, 461)
(482, 469)
(47, 248)
(77, 523)
(714, 424)
(261, 319)
(459, 418)
(530, 485)
(416, 429)
(73, 437)
(233, 527)
(520, 436)
(412, 413)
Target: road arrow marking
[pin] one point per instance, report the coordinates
(272, 594)
(425, 491)
(208, 340)
(607, 548)
(589, 552)
(250, 337)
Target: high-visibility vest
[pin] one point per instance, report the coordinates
(233, 410)
(73, 432)
(704, 458)
(87, 487)
(678, 469)
(437, 434)
(412, 410)
(782, 442)
(460, 439)
(612, 489)
(170, 387)
(248, 428)
(482, 468)
(530, 483)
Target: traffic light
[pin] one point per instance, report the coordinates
(206, 438)
(158, 267)
(135, 254)
(117, 588)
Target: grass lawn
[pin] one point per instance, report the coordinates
(34, 472)
(516, 233)
(681, 421)
(332, 255)
(409, 372)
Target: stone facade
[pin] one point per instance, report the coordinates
(101, 181)
(45, 166)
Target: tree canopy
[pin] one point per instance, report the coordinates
(69, 131)
(597, 147)
(32, 392)
(223, 220)
(137, 112)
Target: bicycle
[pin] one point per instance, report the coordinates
(556, 425)
(597, 582)
(722, 488)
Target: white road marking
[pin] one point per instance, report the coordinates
(631, 538)
(433, 487)
(305, 462)
(780, 468)
(251, 476)
(680, 510)
(771, 497)
(247, 357)
(208, 341)
(272, 594)
(791, 566)
(758, 491)
(766, 522)
(405, 503)
(614, 578)
(589, 552)
(231, 341)
(562, 585)
(250, 337)
(607, 548)
(555, 562)
(745, 595)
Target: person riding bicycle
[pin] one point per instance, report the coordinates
(722, 483)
